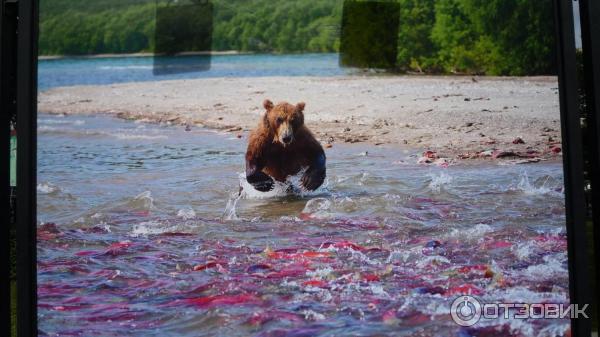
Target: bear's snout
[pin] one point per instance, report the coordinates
(286, 134)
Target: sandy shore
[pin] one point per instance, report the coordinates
(453, 117)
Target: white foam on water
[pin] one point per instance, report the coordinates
(377, 289)
(520, 294)
(47, 128)
(46, 188)
(363, 178)
(289, 284)
(525, 186)
(318, 208)
(554, 330)
(474, 232)
(404, 255)
(319, 273)
(249, 192)
(230, 213)
(186, 213)
(523, 250)
(153, 227)
(42, 121)
(437, 309)
(524, 327)
(438, 181)
(310, 315)
(356, 255)
(143, 200)
(341, 179)
(96, 215)
(147, 228)
(521, 326)
(131, 136)
(432, 260)
(552, 267)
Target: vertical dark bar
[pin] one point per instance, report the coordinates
(8, 59)
(579, 286)
(26, 167)
(590, 41)
(4, 194)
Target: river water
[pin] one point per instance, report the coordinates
(143, 233)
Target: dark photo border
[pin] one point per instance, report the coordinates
(8, 24)
(579, 257)
(26, 99)
(573, 165)
(590, 31)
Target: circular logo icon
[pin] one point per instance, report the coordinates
(465, 310)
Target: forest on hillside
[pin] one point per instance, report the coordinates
(492, 37)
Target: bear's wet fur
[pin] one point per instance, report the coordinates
(281, 146)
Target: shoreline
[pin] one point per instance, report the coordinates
(449, 118)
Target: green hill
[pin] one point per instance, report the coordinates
(495, 37)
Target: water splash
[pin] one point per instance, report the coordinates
(541, 187)
(142, 201)
(230, 213)
(186, 213)
(247, 191)
(439, 181)
(46, 188)
(317, 208)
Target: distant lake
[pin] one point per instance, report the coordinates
(107, 70)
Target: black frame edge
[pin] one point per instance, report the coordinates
(5, 326)
(26, 168)
(575, 204)
(590, 39)
(579, 287)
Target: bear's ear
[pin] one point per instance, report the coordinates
(268, 104)
(300, 107)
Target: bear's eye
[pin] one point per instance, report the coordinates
(279, 120)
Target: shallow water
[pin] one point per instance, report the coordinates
(142, 233)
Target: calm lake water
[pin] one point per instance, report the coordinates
(142, 233)
(108, 70)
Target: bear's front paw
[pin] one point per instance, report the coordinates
(261, 182)
(312, 179)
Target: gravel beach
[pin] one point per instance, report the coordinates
(447, 117)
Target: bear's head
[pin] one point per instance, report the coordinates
(283, 120)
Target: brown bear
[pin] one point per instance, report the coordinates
(282, 146)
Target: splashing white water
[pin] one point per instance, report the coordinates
(186, 213)
(148, 228)
(131, 136)
(439, 181)
(318, 208)
(249, 192)
(46, 188)
(472, 233)
(154, 227)
(230, 213)
(528, 188)
(143, 201)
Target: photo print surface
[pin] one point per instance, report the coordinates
(296, 168)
